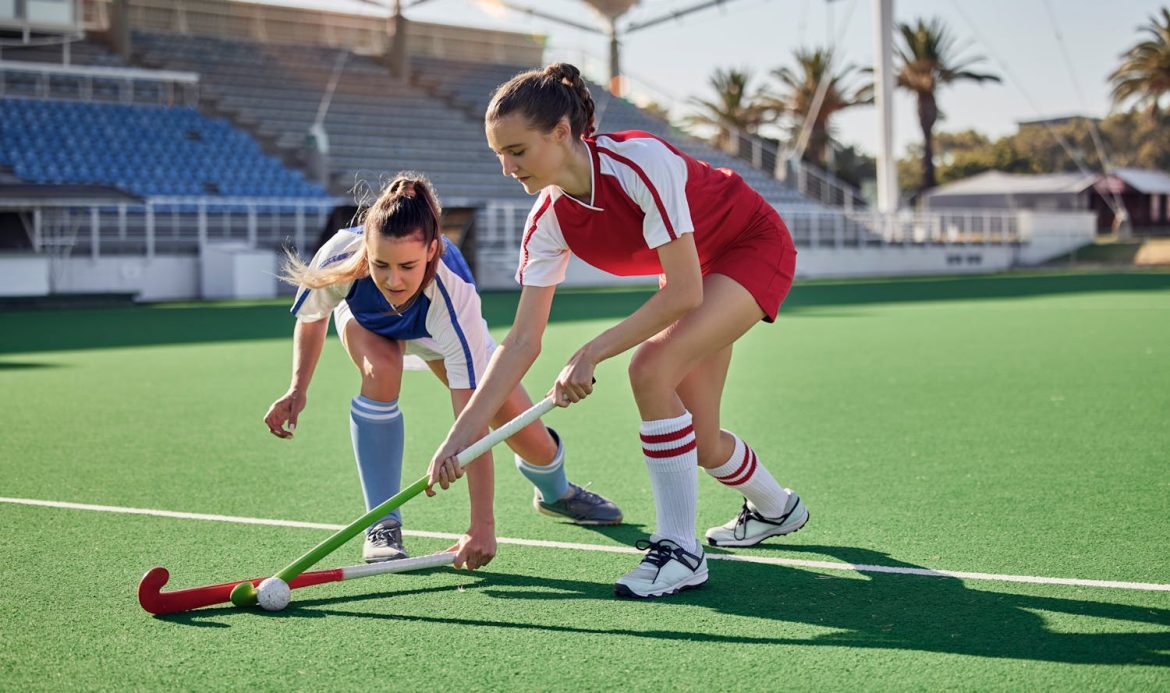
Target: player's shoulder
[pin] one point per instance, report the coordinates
(453, 267)
(635, 152)
(340, 246)
(544, 207)
(634, 142)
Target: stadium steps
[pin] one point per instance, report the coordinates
(468, 87)
(376, 125)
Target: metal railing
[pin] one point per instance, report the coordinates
(88, 83)
(852, 229)
(501, 229)
(172, 224)
(809, 180)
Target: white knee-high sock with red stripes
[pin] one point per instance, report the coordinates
(744, 473)
(671, 458)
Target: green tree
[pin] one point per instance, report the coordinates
(853, 166)
(1001, 155)
(1144, 73)
(929, 59)
(1043, 147)
(657, 110)
(1134, 139)
(735, 106)
(798, 87)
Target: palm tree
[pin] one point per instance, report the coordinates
(734, 107)
(929, 59)
(798, 93)
(1144, 73)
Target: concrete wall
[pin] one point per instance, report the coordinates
(1053, 235)
(233, 270)
(901, 260)
(161, 278)
(24, 275)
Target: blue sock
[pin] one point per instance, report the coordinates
(549, 480)
(377, 432)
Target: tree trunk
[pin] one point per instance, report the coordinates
(927, 116)
(817, 141)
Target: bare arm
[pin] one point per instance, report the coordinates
(308, 342)
(511, 360)
(683, 293)
(478, 546)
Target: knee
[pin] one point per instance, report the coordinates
(381, 370)
(648, 369)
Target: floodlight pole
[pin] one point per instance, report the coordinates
(883, 76)
(398, 57)
(615, 70)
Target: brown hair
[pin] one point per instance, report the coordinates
(545, 96)
(407, 206)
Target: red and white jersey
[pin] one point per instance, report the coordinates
(646, 193)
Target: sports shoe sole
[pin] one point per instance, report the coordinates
(399, 557)
(778, 532)
(588, 523)
(622, 590)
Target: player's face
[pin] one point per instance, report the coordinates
(397, 265)
(534, 158)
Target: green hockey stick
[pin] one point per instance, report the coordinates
(244, 594)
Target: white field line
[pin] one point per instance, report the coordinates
(766, 560)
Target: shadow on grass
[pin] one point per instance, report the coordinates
(25, 365)
(862, 610)
(59, 330)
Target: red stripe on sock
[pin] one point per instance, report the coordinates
(670, 452)
(749, 463)
(668, 437)
(742, 465)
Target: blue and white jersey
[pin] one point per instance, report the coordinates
(444, 322)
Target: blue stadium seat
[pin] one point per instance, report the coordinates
(144, 149)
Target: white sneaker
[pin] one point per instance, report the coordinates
(666, 569)
(750, 527)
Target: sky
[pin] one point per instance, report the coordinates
(1049, 68)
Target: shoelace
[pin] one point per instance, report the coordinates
(658, 553)
(584, 495)
(386, 535)
(746, 513)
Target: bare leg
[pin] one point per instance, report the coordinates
(701, 392)
(533, 442)
(696, 341)
(378, 359)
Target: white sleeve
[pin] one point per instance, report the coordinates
(544, 254)
(655, 178)
(316, 304)
(456, 323)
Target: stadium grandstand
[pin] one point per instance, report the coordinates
(135, 135)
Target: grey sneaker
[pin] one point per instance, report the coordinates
(581, 506)
(383, 542)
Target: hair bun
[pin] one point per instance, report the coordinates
(405, 186)
(563, 72)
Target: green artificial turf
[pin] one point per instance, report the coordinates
(1010, 425)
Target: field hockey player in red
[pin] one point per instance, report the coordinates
(630, 203)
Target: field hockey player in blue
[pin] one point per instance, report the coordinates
(397, 289)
